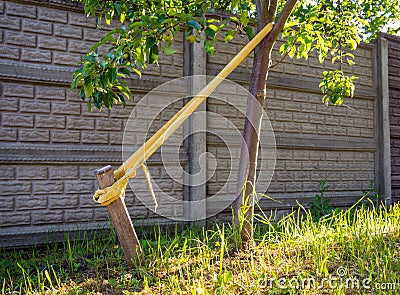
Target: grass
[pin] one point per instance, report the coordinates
(346, 252)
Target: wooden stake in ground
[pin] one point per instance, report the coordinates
(121, 219)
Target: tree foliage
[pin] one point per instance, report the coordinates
(331, 28)
(148, 27)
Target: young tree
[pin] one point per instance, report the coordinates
(332, 28)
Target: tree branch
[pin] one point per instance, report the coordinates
(279, 61)
(286, 53)
(264, 10)
(259, 9)
(273, 6)
(282, 19)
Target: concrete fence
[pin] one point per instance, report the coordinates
(50, 143)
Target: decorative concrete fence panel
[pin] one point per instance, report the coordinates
(50, 143)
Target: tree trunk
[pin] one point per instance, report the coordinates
(250, 144)
(243, 207)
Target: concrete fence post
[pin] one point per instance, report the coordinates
(383, 124)
(195, 127)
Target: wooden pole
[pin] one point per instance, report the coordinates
(152, 144)
(121, 219)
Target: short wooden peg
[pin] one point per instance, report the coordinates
(121, 219)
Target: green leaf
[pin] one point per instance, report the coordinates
(244, 18)
(89, 106)
(352, 44)
(112, 75)
(321, 58)
(301, 50)
(104, 81)
(250, 32)
(292, 52)
(108, 99)
(108, 17)
(210, 32)
(122, 17)
(137, 72)
(193, 24)
(150, 42)
(133, 25)
(335, 58)
(98, 101)
(82, 93)
(168, 50)
(117, 10)
(153, 57)
(90, 58)
(124, 90)
(189, 31)
(229, 35)
(284, 48)
(88, 88)
(209, 47)
(124, 71)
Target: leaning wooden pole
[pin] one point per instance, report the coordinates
(106, 176)
(121, 219)
(152, 144)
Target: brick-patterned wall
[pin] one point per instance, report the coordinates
(314, 142)
(49, 142)
(394, 111)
